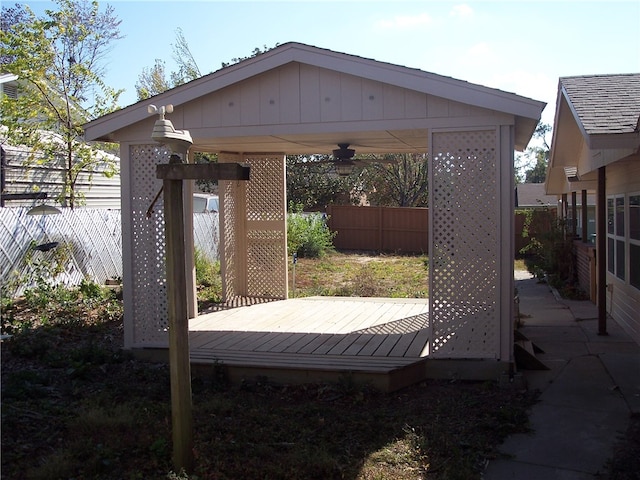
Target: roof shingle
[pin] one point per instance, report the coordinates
(605, 104)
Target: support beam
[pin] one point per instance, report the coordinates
(179, 366)
(195, 171)
(601, 251)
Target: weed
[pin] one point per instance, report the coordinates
(308, 234)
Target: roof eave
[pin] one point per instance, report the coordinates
(527, 111)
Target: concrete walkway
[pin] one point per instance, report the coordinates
(587, 395)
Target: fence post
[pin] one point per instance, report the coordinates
(380, 233)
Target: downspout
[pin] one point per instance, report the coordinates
(585, 217)
(574, 215)
(3, 162)
(601, 248)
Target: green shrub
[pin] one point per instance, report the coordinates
(207, 271)
(308, 234)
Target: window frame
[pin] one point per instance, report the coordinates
(617, 236)
(633, 267)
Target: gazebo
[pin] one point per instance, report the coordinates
(300, 99)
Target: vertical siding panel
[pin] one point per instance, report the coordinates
(415, 104)
(270, 98)
(290, 93)
(393, 102)
(437, 107)
(309, 94)
(330, 98)
(351, 94)
(211, 110)
(230, 106)
(250, 102)
(372, 100)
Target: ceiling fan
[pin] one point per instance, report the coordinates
(344, 162)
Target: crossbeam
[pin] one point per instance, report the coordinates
(201, 171)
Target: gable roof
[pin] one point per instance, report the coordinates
(597, 122)
(526, 112)
(604, 104)
(533, 195)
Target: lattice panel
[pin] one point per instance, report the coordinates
(266, 261)
(228, 236)
(264, 258)
(254, 229)
(265, 190)
(464, 295)
(148, 247)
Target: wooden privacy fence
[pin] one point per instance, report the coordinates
(383, 229)
(92, 239)
(403, 229)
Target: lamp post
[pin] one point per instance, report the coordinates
(179, 142)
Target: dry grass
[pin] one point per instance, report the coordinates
(75, 406)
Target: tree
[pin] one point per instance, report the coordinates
(256, 51)
(403, 183)
(58, 60)
(531, 166)
(153, 81)
(187, 67)
(313, 184)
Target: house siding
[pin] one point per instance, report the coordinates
(623, 300)
(24, 176)
(585, 264)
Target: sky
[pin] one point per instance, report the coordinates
(516, 46)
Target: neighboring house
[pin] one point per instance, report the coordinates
(596, 148)
(26, 180)
(23, 182)
(532, 195)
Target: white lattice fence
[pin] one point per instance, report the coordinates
(464, 294)
(92, 236)
(206, 234)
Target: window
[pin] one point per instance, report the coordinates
(623, 237)
(616, 258)
(634, 240)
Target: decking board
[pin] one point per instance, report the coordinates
(371, 336)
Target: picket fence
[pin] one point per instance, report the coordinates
(92, 238)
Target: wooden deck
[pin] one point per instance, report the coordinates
(382, 341)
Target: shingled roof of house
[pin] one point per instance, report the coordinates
(605, 103)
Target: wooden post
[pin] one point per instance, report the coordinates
(172, 175)
(601, 251)
(180, 369)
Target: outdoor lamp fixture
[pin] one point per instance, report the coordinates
(343, 156)
(178, 141)
(44, 210)
(344, 168)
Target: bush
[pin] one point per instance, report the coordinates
(207, 271)
(308, 234)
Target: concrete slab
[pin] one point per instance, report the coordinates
(584, 383)
(624, 369)
(582, 309)
(567, 438)
(587, 395)
(511, 469)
